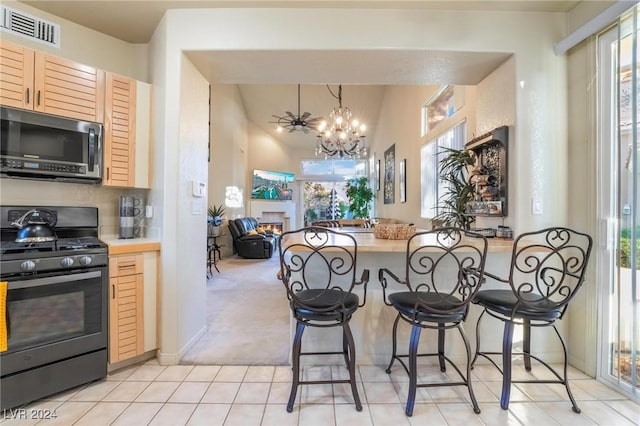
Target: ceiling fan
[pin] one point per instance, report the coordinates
(299, 122)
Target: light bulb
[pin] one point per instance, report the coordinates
(343, 135)
(322, 125)
(355, 123)
(363, 127)
(279, 129)
(338, 120)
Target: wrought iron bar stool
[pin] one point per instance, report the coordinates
(318, 270)
(547, 269)
(443, 272)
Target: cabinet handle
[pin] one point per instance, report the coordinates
(38, 98)
(107, 173)
(113, 291)
(27, 96)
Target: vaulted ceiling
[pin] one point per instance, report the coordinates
(267, 88)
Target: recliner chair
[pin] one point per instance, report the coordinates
(248, 244)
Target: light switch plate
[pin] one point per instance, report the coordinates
(536, 206)
(199, 188)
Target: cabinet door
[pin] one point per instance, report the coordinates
(120, 131)
(16, 76)
(68, 89)
(143, 135)
(126, 313)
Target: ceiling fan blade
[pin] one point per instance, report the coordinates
(290, 114)
(305, 116)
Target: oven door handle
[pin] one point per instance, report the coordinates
(58, 279)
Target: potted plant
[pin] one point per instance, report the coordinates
(214, 220)
(452, 205)
(360, 197)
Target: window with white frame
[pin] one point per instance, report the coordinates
(431, 187)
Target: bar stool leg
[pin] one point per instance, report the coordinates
(475, 357)
(526, 343)
(297, 346)
(345, 347)
(507, 340)
(413, 368)
(443, 366)
(474, 402)
(352, 365)
(565, 380)
(394, 344)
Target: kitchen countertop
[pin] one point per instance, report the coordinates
(367, 242)
(130, 245)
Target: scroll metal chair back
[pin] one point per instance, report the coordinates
(443, 272)
(547, 269)
(318, 269)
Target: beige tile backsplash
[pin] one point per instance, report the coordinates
(45, 193)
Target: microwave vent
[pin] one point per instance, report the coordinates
(25, 25)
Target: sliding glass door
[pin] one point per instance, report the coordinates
(619, 212)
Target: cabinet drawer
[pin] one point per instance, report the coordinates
(120, 266)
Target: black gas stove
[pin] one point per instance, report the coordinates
(75, 244)
(56, 312)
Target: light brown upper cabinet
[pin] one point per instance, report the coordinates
(40, 82)
(127, 127)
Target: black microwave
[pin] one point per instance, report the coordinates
(41, 146)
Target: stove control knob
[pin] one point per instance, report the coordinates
(85, 260)
(66, 262)
(28, 265)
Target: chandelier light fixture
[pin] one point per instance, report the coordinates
(298, 122)
(342, 135)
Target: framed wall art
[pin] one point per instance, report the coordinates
(390, 174)
(378, 175)
(403, 180)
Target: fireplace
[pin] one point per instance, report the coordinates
(272, 226)
(283, 212)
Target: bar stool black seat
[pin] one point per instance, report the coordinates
(318, 270)
(443, 272)
(547, 269)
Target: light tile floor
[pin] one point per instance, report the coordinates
(151, 394)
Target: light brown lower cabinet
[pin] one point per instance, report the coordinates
(126, 307)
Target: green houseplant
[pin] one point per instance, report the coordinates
(215, 211)
(360, 197)
(453, 170)
(214, 220)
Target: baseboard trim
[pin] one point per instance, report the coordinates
(174, 358)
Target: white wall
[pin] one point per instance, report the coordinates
(192, 211)
(496, 106)
(541, 107)
(582, 198)
(400, 124)
(229, 154)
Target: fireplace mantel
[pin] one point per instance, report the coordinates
(261, 209)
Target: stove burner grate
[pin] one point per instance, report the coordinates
(63, 244)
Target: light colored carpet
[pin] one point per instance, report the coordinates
(247, 316)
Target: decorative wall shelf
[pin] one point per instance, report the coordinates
(490, 173)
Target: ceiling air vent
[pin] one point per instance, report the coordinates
(25, 25)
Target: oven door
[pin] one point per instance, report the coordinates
(54, 317)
